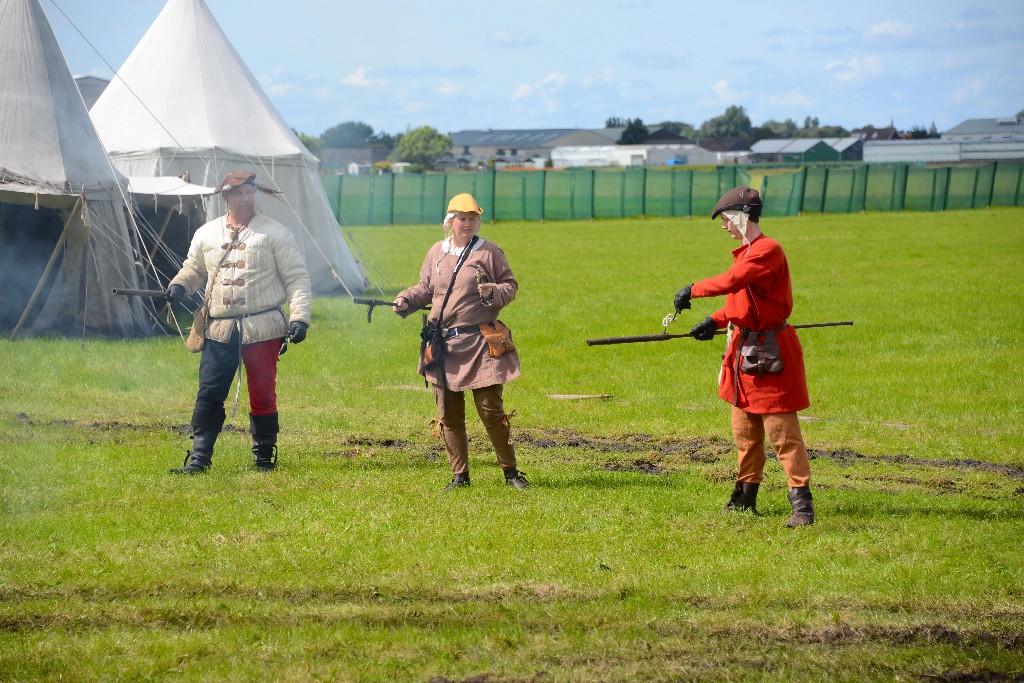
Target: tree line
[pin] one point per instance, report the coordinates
(423, 146)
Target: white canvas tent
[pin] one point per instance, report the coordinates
(185, 102)
(64, 240)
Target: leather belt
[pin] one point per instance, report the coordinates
(456, 331)
(245, 315)
(744, 330)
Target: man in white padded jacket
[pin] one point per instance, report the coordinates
(251, 266)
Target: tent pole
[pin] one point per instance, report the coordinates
(46, 271)
(85, 290)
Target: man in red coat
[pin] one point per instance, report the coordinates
(764, 399)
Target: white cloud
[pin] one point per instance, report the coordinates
(275, 88)
(889, 29)
(953, 62)
(724, 92)
(508, 39)
(970, 91)
(650, 59)
(448, 87)
(856, 69)
(787, 101)
(549, 84)
(359, 79)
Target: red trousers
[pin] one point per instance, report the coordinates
(219, 363)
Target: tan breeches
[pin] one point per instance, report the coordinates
(783, 430)
(451, 413)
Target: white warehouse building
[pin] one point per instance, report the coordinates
(942, 151)
(640, 155)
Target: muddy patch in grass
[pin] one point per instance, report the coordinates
(697, 449)
(715, 450)
(644, 466)
(848, 458)
(355, 445)
(120, 426)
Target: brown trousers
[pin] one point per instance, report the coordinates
(783, 429)
(451, 414)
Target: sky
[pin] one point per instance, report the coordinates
(521, 64)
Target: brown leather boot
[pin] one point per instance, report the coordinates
(744, 497)
(803, 507)
(458, 481)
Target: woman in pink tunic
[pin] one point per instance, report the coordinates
(482, 287)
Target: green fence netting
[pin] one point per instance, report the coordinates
(600, 193)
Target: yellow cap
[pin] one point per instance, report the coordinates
(464, 203)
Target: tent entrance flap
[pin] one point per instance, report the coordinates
(28, 237)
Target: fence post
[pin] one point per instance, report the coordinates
(593, 193)
(622, 195)
(543, 195)
(689, 210)
(494, 195)
(906, 181)
(572, 194)
(864, 197)
(370, 203)
(803, 191)
(974, 190)
(340, 198)
(991, 185)
(945, 189)
(1016, 192)
(643, 195)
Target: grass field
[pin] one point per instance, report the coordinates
(349, 564)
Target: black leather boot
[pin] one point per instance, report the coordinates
(803, 507)
(744, 497)
(458, 481)
(515, 479)
(264, 429)
(207, 421)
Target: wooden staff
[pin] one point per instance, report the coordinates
(662, 337)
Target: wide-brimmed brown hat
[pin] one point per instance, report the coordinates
(745, 199)
(236, 179)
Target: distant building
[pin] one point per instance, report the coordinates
(471, 148)
(665, 136)
(643, 155)
(725, 144)
(338, 160)
(872, 133)
(987, 130)
(973, 141)
(943, 151)
(91, 88)
(807, 150)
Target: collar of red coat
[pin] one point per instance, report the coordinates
(740, 249)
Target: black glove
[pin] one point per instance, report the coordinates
(297, 331)
(174, 294)
(704, 331)
(682, 299)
